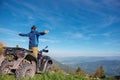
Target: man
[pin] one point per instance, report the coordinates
(34, 39)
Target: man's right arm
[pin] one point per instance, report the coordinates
(26, 35)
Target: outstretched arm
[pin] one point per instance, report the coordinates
(43, 33)
(26, 35)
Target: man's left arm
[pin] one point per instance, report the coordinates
(43, 33)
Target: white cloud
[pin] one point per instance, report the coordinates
(31, 17)
(88, 36)
(107, 34)
(19, 40)
(20, 11)
(77, 35)
(28, 5)
(112, 43)
(115, 3)
(11, 8)
(49, 40)
(108, 21)
(7, 31)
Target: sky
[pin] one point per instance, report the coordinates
(76, 27)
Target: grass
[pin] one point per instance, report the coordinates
(7, 77)
(47, 76)
(51, 76)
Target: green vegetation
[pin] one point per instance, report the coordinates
(52, 76)
(47, 76)
(100, 72)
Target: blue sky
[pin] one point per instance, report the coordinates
(76, 27)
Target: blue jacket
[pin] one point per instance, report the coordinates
(33, 38)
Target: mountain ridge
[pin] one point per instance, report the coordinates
(110, 64)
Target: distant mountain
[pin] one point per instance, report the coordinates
(111, 67)
(64, 67)
(82, 59)
(110, 64)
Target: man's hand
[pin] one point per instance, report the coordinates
(46, 31)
